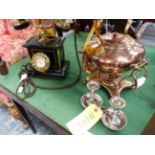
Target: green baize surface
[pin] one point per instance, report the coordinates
(63, 105)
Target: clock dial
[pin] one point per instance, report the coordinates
(40, 62)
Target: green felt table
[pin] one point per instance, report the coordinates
(63, 105)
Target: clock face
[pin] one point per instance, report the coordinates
(40, 62)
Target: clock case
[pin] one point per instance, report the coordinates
(55, 51)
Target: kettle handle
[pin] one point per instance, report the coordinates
(129, 23)
(98, 23)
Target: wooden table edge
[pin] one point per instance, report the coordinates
(61, 130)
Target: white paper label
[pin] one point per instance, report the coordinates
(140, 81)
(23, 77)
(85, 120)
(20, 89)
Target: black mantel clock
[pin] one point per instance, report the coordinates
(47, 60)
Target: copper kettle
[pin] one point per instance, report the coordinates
(114, 59)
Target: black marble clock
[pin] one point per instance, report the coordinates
(47, 60)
